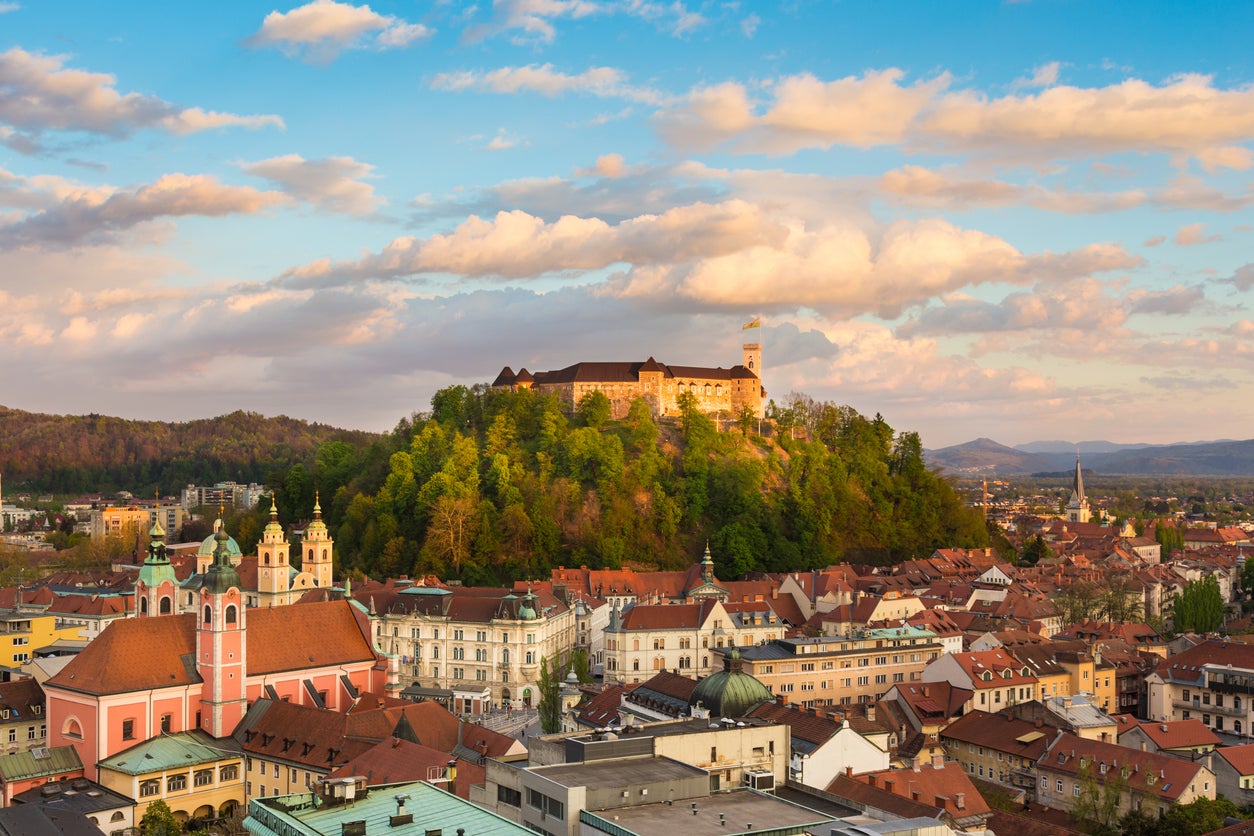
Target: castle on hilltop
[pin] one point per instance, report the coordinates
(716, 389)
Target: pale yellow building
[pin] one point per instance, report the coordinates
(199, 777)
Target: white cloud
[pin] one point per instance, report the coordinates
(6, 8)
(319, 30)
(96, 216)
(604, 82)
(1045, 75)
(532, 20)
(503, 141)
(1186, 115)
(749, 25)
(331, 183)
(39, 94)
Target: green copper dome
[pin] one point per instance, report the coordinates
(208, 545)
(731, 692)
(221, 575)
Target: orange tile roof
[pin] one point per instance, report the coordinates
(1240, 758)
(395, 761)
(1176, 734)
(136, 654)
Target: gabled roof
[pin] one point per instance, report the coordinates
(1148, 773)
(171, 751)
(396, 761)
(313, 737)
(1176, 734)
(1240, 758)
(138, 654)
(803, 724)
(1000, 732)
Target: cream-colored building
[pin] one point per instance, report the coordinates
(477, 639)
(859, 667)
(646, 638)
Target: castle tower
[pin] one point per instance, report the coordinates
(318, 548)
(273, 562)
(220, 648)
(1078, 505)
(753, 358)
(156, 585)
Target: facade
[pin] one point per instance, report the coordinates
(28, 770)
(230, 494)
(22, 631)
(23, 725)
(996, 679)
(717, 390)
(1072, 766)
(1212, 681)
(997, 747)
(859, 667)
(110, 812)
(646, 638)
(821, 747)
(199, 777)
(117, 521)
(472, 640)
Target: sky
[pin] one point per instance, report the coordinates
(1015, 220)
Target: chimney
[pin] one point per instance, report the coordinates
(849, 771)
(779, 699)
(940, 801)
(870, 779)
(870, 711)
(938, 760)
(888, 785)
(960, 800)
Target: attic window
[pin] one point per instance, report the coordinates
(987, 675)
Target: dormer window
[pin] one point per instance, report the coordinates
(987, 676)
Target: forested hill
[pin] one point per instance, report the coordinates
(492, 486)
(79, 453)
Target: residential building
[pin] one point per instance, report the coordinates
(127, 521)
(1187, 739)
(857, 667)
(1075, 714)
(23, 629)
(1212, 681)
(33, 768)
(112, 813)
(23, 725)
(997, 747)
(822, 746)
(995, 678)
(933, 789)
(229, 494)
(646, 638)
(1234, 773)
(1142, 780)
(476, 640)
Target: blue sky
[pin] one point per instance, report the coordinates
(1016, 220)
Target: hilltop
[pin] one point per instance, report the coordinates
(985, 456)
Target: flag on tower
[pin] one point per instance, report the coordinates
(756, 322)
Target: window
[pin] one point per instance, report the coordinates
(13, 735)
(230, 614)
(147, 788)
(128, 729)
(1059, 785)
(1075, 789)
(508, 795)
(175, 783)
(30, 733)
(165, 722)
(202, 778)
(229, 773)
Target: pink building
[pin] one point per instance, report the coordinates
(171, 673)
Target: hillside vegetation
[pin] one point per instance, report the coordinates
(494, 485)
(69, 454)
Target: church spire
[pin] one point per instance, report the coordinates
(1078, 505)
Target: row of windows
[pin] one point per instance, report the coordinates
(459, 634)
(177, 783)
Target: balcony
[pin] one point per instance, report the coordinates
(1198, 706)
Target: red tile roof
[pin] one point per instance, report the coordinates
(395, 761)
(1148, 773)
(1176, 734)
(1240, 758)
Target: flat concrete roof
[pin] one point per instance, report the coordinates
(617, 772)
(743, 811)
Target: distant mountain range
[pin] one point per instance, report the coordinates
(1205, 458)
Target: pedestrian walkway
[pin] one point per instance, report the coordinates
(510, 722)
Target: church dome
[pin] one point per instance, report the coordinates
(209, 544)
(731, 692)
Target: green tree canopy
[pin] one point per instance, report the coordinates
(1200, 607)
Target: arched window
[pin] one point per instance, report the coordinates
(266, 556)
(505, 656)
(166, 606)
(72, 728)
(208, 615)
(311, 554)
(143, 606)
(326, 555)
(230, 614)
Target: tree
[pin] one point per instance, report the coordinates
(550, 704)
(1200, 607)
(1098, 803)
(594, 408)
(1034, 551)
(159, 820)
(1202, 815)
